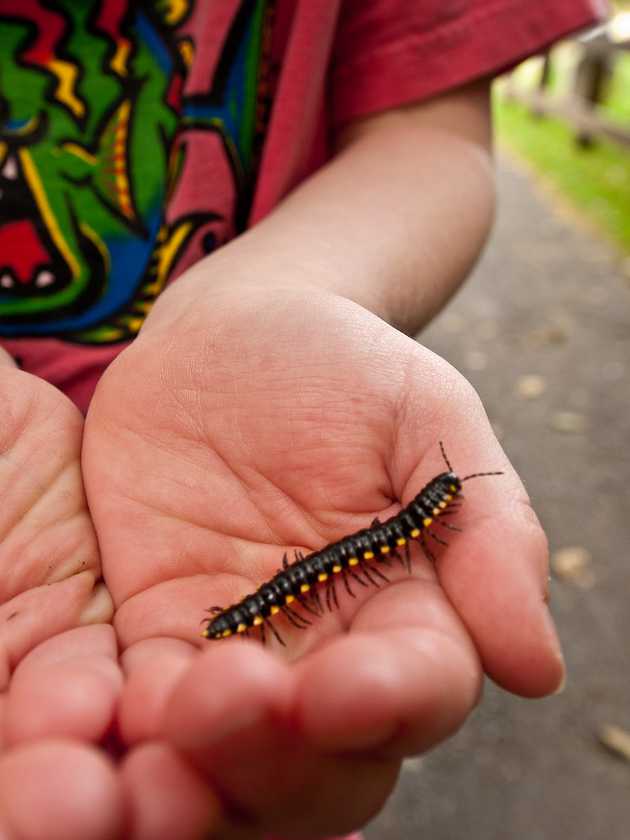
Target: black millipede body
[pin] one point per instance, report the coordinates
(299, 582)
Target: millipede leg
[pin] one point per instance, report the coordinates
(436, 538)
(396, 556)
(304, 603)
(346, 583)
(427, 551)
(296, 619)
(367, 572)
(275, 632)
(450, 527)
(331, 593)
(285, 561)
(380, 574)
(215, 610)
(357, 578)
(298, 615)
(329, 583)
(317, 600)
(408, 557)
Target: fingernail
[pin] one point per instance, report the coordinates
(563, 684)
(556, 648)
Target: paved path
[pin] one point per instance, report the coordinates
(551, 304)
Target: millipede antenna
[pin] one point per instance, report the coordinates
(446, 461)
(480, 475)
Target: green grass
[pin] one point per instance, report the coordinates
(617, 103)
(597, 180)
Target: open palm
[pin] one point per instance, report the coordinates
(256, 422)
(59, 681)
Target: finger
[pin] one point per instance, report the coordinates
(3, 706)
(495, 573)
(403, 680)
(59, 790)
(227, 713)
(495, 585)
(67, 686)
(152, 670)
(232, 686)
(49, 559)
(166, 797)
(231, 714)
(321, 796)
(42, 613)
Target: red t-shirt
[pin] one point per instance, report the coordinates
(136, 138)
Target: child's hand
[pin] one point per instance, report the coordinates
(57, 688)
(49, 561)
(251, 421)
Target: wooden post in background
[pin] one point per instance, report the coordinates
(592, 76)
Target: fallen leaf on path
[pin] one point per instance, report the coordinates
(530, 386)
(615, 739)
(568, 422)
(476, 360)
(573, 564)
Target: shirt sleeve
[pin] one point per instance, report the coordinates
(393, 52)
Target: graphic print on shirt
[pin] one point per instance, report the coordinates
(120, 162)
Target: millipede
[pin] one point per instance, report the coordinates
(352, 559)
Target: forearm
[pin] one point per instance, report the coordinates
(394, 222)
(6, 359)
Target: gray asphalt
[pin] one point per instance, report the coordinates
(549, 301)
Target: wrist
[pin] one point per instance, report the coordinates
(240, 269)
(6, 359)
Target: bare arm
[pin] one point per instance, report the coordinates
(394, 221)
(261, 419)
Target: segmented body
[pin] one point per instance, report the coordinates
(299, 582)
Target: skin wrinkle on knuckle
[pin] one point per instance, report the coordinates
(13, 423)
(446, 385)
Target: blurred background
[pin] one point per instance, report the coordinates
(542, 329)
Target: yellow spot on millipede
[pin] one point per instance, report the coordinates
(436, 511)
(336, 569)
(426, 522)
(226, 633)
(401, 541)
(258, 620)
(448, 497)
(453, 489)
(368, 555)
(384, 549)
(415, 533)
(274, 610)
(305, 587)
(353, 561)
(442, 505)
(241, 628)
(322, 577)
(289, 599)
